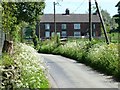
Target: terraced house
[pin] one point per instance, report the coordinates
(68, 25)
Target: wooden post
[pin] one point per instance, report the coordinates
(54, 19)
(7, 47)
(102, 21)
(90, 22)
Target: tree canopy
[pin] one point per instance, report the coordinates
(14, 14)
(117, 16)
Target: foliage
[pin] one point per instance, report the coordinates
(9, 72)
(35, 40)
(114, 37)
(29, 11)
(104, 58)
(13, 15)
(96, 54)
(25, 69)
(48, 46)
(117, 19)
(109, 21)
(8, 17)
(28, 32)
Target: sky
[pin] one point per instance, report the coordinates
(79, 6)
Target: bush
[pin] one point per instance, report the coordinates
(104, 58)
(48, 46)
(96, 54)
(28, 67)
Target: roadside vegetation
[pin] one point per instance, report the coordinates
(20, 65)
(24, 69)
(98, 55)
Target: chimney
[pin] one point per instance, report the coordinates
(67, 11)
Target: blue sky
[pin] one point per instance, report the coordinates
(80, 6)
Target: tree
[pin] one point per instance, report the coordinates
(117, 17)
(28, 31)
(15, 13)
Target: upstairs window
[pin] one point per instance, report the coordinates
(63, 26)
(47, 26)
(76, 26)
(94, 26)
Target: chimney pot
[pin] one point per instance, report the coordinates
(67, 11)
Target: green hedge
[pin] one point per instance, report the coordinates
(98, 55)
(105, 58)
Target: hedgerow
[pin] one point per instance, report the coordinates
(24, 69)
(98, 55)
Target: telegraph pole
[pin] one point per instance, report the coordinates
(54, 19)
(103, 25)
(90, 22)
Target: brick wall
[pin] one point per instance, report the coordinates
(70, 29)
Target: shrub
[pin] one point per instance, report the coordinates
(96, 54)
(48, 46)
(27, 68)
(32, 67)
(104, 58)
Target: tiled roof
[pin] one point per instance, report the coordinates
(69, 18)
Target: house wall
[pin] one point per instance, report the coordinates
(70, 29)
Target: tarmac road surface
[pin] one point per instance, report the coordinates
(67, 73)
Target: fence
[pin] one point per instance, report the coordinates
(2, 38)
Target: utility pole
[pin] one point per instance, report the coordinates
(90, 22)
(54, 19)
(103, 25)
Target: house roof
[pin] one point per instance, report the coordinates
(69, 18)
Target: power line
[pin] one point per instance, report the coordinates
(79, 6)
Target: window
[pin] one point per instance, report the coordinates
(76, 34)
(63, 26)
(94, 34)
(76, 26)
(94, 26)
(64, 34)
(47, 26)
(47, 34)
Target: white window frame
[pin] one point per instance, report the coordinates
(47, 34)
(76, 26)
(75, 34)
(64, 34)
(47, 26)
(63, 26)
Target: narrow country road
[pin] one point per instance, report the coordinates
(67, 73)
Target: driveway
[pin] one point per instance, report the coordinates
(67, 73)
